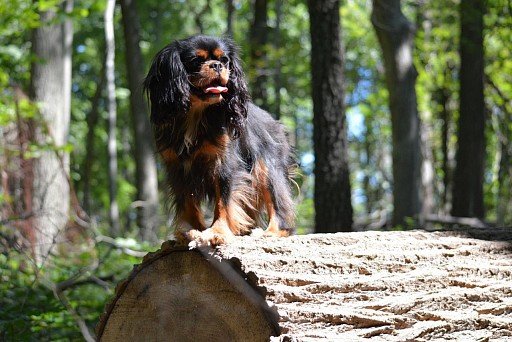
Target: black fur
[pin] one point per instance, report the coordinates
(254, 136)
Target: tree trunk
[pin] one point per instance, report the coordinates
(470, 158)
(230, 9)
(51, 88)
(428, 172)
(442, 100)
(259, 62)
(333, 208)
(90, 155)
(396, 35)
(112, 116)
(393, 286)
(277, 70)
(147, 182)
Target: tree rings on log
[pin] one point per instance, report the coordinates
(182, 295)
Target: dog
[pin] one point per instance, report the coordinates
(216, 144)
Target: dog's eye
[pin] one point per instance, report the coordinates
(224, 60)
(198, 60)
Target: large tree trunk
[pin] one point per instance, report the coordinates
(333, 208)
(396, 37)
(393, 286)
(112, 116)
(147, 182)
(51, 88)
(259, 62)
(468, 177)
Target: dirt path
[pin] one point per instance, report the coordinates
(385, 286)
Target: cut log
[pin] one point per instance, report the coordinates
(387, 286)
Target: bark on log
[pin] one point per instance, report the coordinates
(387, 286)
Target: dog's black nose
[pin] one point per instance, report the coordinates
(217, 66)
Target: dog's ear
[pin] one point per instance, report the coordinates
(167, 86)
(238, 95)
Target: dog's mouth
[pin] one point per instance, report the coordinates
(215, 88)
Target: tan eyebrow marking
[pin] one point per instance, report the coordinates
(202, 53)
(218, 52)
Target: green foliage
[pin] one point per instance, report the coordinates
(30, 310)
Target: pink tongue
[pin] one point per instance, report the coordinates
(216, 90)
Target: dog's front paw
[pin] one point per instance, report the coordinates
(206, 238)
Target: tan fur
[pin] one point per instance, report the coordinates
(208, 75)
(218, 52)
(202, 53)
(235, 214)
(264, 198)
(191, 215)
(169, 156)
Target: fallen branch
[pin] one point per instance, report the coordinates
(463, 221)
(124, 249)
(84, 329)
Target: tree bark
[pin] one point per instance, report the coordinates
(468, 176)
(259, 62)
(112, 116)
(147, 182)
(230, 9)
(396, 37)
(92, 122)
(51, 87)
(393, 286)
(444, 115)
(333, 208)
(277, 69)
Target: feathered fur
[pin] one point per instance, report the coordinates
(215, 143)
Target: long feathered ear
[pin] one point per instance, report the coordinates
(167, 85)
(238, 95)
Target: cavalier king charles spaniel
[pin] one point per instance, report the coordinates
(216, 144)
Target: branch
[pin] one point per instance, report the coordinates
(21, 217)
(73, 282)
(114, 243)
(84, 329)
(473, 222)
(500, 93)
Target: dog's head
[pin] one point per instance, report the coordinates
(195, 73)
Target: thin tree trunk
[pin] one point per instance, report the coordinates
(368, 147)
(333, 208)
(92, 121)
(429, 184)
(396, 35)
(147, 182)
(277, 71)
(112, 116)
(259, 40)
(504, 174)
(51, 87)
(230, 9)
(469, 171)
(442, 100)
(428, 171)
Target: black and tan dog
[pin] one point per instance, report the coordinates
(216, 144)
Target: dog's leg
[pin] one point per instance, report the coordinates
(274, 220)
(220, 231)
(274, 194)
(188, 217)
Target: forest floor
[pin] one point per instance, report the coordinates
(386, 286)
